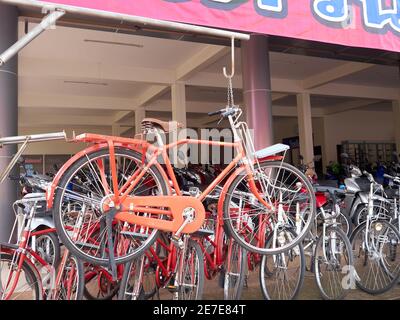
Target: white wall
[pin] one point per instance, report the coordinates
(357, 125)
(333, 129)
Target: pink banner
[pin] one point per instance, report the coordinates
(359, 23)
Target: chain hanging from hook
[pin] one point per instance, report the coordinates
(231, 102)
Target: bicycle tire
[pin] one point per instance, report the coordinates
(78, 285)
(317, 275)
(124, 291)
(266, 273)
(56, 245)
(230, 230)
(32, 277)
(392, 278)
(57, 211)
(192, 244)
(241, 274)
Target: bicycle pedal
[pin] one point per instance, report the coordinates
(172, 288)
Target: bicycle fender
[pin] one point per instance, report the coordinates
(380, 198)
(45, 221)
(224, 191)
(357, 202)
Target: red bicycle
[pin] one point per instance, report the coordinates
(179, 269)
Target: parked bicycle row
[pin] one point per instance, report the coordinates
(114, 222)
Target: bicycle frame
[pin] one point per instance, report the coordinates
(126, 205)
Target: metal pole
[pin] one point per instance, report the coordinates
(8, 115)
(118, 17)
(47, 22)
(34, 138)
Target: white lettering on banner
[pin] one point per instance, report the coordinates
(378, 15)
(270, 5)
(332, 10)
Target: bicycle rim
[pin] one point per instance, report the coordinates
(234, 271)
(282, 275)
(250, 223)
(18, 284)
(333, 261)
(377, 259)
(79, 219)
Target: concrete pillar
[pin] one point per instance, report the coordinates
(396, 119)
(305, 127)
(257, 89)
(8, 114)
(178, 96)
(116, 130)
(140, 114)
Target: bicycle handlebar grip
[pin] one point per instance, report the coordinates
(213, 113)
(228, 113)
(385, 175)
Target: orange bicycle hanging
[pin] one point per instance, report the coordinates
(117, 196)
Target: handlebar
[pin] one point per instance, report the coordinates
(395, 179)
(213, 113)
(33, 138)
(369, 176)
(226, 112)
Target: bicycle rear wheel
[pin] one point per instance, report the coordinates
(333, 260)
(288, 193)
(376, 252)
(78, 207)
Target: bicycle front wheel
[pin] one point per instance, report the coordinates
(234, 271)
(333, 260)
(291, 203)
(282, 275)
(190, 280)
(376, 251)
(18, 283)
(138, 281)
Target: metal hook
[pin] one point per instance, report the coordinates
(230, 76)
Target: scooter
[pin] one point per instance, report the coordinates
(356, 200)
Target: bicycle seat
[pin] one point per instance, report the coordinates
(166, 126)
